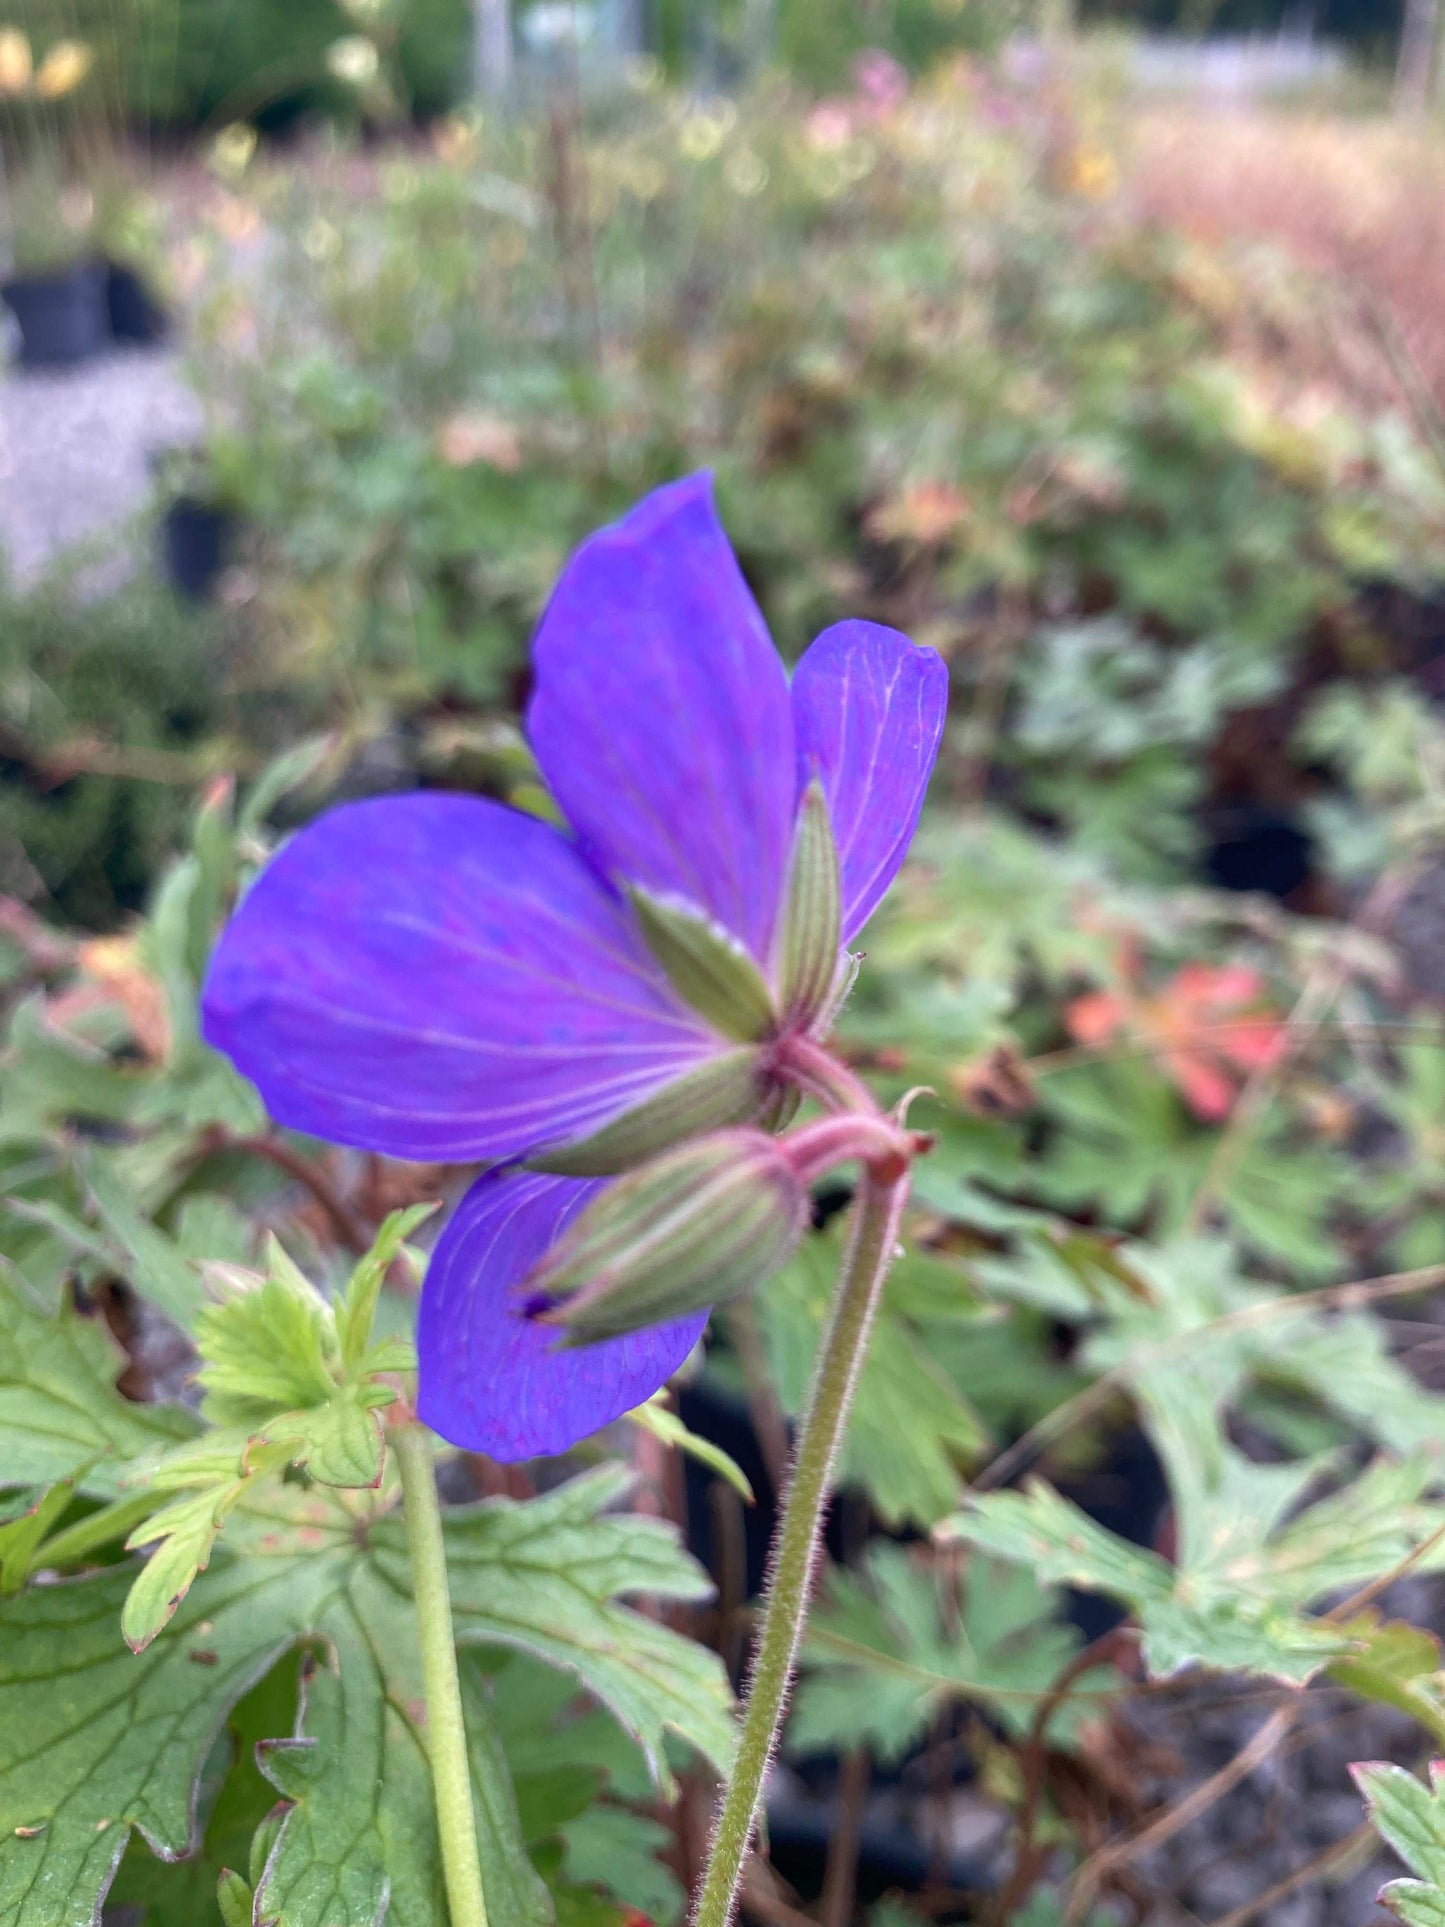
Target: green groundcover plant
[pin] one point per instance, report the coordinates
(242, 1636)
(381, 1179)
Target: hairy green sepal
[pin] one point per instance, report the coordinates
(810, 938)
(708, 968)
(697, 1226)
(727, 1090)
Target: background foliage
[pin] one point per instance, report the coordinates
(1175, 514)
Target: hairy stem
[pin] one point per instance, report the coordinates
(445, 1728)
(795, 1550)
(818, 1072)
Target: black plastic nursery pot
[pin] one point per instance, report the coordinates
(893, 1858)
(196, 539)
(1252, 847)
(132, 311)
(62, 314)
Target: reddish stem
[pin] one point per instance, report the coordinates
(803, 1061)
(873, 1141)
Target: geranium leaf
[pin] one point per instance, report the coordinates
(115, 1742)
(1396, 1664)
(546, 1577)
(360, 1842)
(657, 1417)
(60, 1414)
(156, 1266)
(108, 1741)
(183, 1535)
(1411, 1817)
(616, 1850)
(1251, 1562)
(339, 1442)
(910, 1426)
(880, 1659)
(268, 1345)
(356, 1308)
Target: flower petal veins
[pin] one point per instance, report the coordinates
(868, 709)
(660, 716)
(438, 977)
(490, 1379)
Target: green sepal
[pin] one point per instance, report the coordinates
(810, 938)
(696, 1227)
(783, 1104)
(725, 1091)
(708, 968)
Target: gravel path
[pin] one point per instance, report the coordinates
(75, 446)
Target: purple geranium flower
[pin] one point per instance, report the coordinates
(440, 977)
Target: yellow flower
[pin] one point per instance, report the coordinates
(1091, 172)
(15, 61)
(63, 69)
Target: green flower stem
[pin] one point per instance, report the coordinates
(795, 1550)
(445, 1728)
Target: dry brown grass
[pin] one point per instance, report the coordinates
(1359, 203)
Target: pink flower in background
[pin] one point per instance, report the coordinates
(1209, 1024)
(879, 81)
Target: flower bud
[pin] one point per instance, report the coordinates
(699, 1225)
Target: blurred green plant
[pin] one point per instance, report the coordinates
(947, 383)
